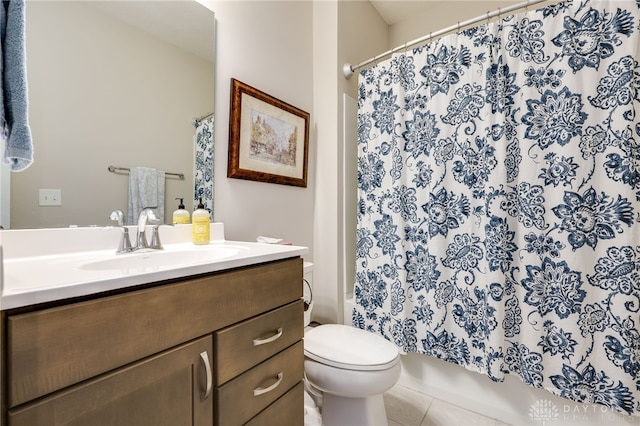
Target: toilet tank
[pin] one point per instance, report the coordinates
(307, 291)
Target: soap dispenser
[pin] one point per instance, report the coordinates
(200, 225)
(181, 215)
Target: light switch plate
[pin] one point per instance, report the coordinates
(50, 197)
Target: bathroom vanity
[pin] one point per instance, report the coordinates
(219, 347)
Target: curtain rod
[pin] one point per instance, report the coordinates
(196, 121)
(348, 69)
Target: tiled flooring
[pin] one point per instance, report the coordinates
(406, 407)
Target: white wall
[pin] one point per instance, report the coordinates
(361, 34)
(344, 31)
(267, 45)
(440, 15)
(294, 51)
(325, 278)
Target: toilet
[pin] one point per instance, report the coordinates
(350, 368)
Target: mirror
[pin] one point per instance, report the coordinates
(111, 83)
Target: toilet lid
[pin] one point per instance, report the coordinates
(350, 348)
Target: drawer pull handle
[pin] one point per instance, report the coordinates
(258, 342)
(205, 360)
(260, 391)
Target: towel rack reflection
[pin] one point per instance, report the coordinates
(114, 169)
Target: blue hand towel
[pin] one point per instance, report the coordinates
(146, 190)
(14, 121)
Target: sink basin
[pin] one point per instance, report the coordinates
(159, 260)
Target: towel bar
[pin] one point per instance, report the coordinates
(114, 169)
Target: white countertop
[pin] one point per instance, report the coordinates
(44, 274)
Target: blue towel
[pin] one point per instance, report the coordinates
(14, 116)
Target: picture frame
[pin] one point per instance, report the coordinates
(268, 138)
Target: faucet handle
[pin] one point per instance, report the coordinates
(155, 238)
(125, 242)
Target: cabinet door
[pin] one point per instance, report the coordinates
(172, 389)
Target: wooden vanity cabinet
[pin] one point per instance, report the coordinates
(180, 352)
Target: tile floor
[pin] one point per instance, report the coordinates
(406, 407)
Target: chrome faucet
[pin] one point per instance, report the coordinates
(125, 243)
(147, 215)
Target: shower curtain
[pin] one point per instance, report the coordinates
(499, 200)
(203, 165)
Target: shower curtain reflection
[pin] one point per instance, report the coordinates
(203, 165)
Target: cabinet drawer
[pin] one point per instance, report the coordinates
(287, 410)
(54, 348)
(252, 341)
(242, 398)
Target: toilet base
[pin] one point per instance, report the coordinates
(341, 411)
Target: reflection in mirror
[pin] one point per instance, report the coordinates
(104, 91)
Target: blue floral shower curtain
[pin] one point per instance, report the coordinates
(203, 164)
(499, 200)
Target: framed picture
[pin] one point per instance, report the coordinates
(268, 138)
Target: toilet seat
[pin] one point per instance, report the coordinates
(349, 348)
